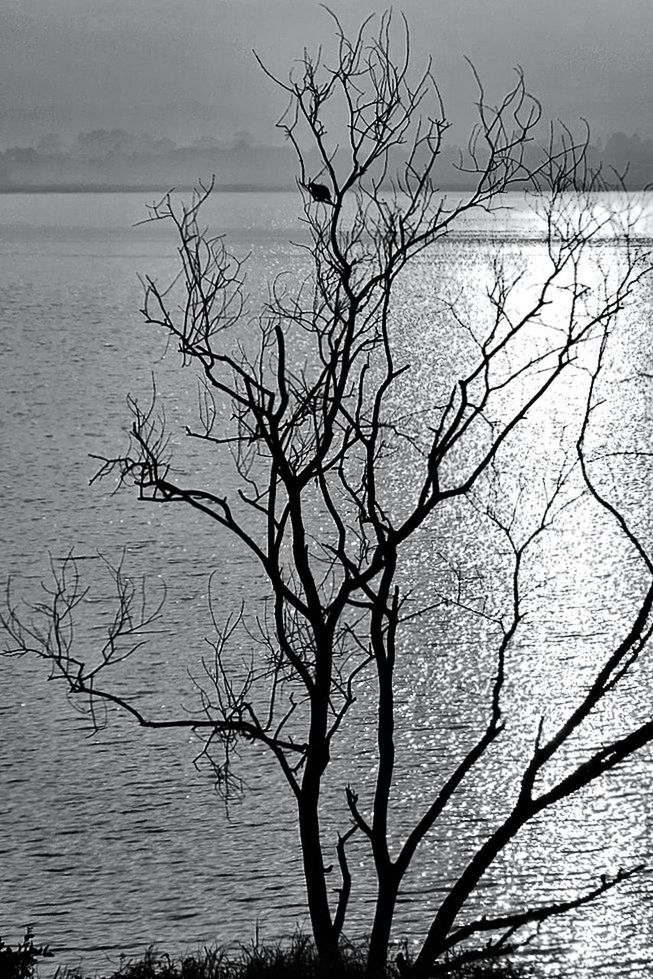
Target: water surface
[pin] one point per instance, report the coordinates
(110, 842)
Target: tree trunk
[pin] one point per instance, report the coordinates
(377, 957)
(316, 891)
(326, 941)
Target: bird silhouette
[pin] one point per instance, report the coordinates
(319, 192)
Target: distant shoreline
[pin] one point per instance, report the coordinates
(161, 189)
(445, 187)
(137, 188)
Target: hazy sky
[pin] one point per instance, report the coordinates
(184, 67)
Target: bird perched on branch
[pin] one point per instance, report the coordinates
(319, 192)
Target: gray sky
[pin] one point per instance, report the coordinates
(184, 68)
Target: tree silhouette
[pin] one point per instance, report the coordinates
(311, 402)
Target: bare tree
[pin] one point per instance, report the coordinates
(311, 400)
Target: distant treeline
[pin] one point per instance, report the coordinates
(115, 158)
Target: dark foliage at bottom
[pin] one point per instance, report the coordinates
(294, 960)
(19, 961)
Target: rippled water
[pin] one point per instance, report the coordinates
(110, 842)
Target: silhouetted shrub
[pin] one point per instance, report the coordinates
(296, 959)
(19, 961)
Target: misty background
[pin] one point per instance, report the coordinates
(156, 92)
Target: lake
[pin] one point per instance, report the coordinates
(113, 841)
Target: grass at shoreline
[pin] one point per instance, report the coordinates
(290, 960)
